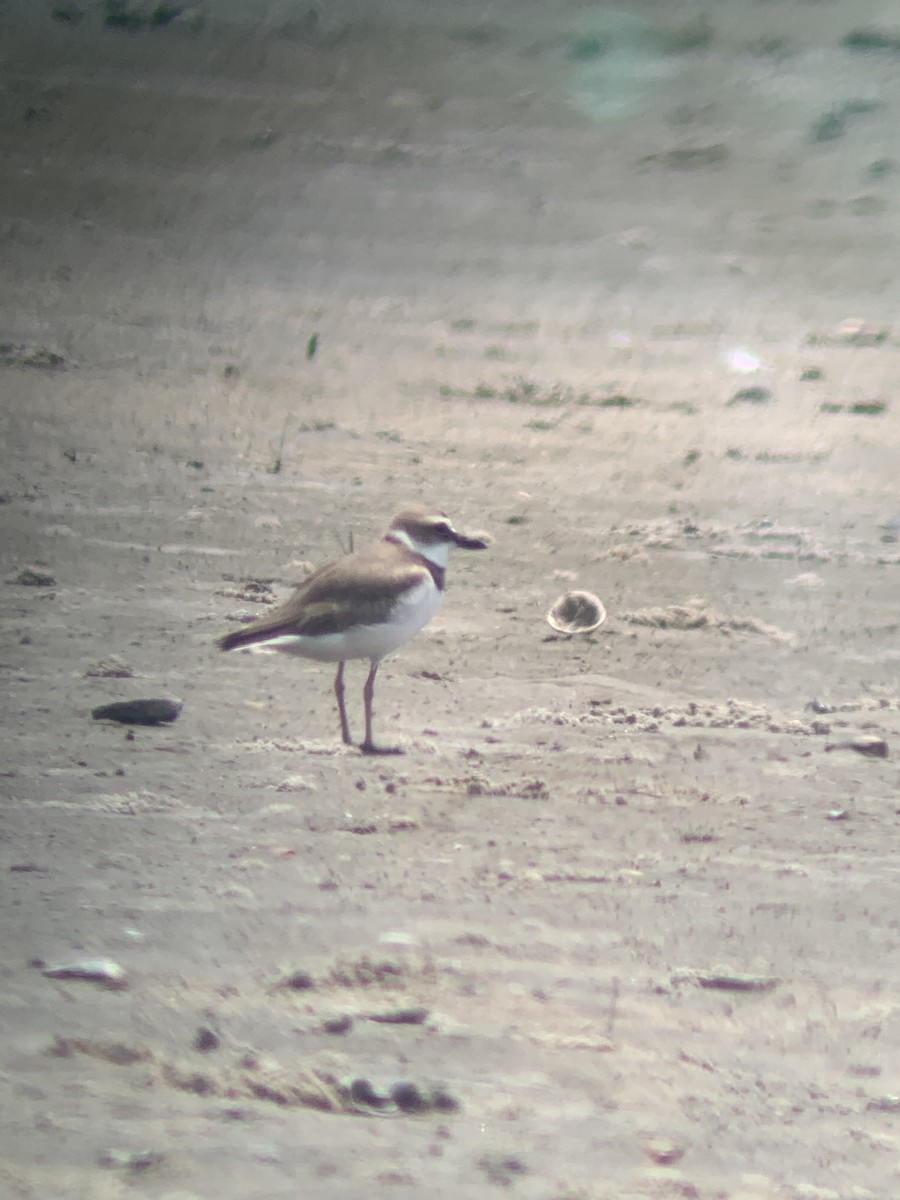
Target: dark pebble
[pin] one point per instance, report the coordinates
(751, 395)
(829, 126)
(410, 1098)
(138, 712)
(206, 1039)
(300, 981)
(867, 40)
(338, 1025)
(362, 1092)
(737, 983)
(401, 1016)
(33, 577)
(867, 744)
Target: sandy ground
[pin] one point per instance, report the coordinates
(536, 245)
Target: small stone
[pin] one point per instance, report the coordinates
(110, 668)
(400, 1016)
(364, 1095)
(207, 1038)
(138, 712)
(33, 577)
(727, 981)
(300, 981)
(867, 408)
(94, 970)
(401, 824)
(131, 1160)
(867, 744)
(296, 783)
(663, 1152)
(881, 168)
(238, 892)
(501, 1169)
(338, 1025)
(687, 158)
(587, 48)
(361, 828)
(443, 1101)
(751, 395)
(397, 937)
(830, 125)
(869, 39)
(120, 1054)
(18, 355)
(853, 332)
(409, 1097)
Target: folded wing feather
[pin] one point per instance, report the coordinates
(352, 591)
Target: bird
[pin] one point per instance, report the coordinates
(364, 605)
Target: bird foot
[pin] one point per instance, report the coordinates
(371, 748)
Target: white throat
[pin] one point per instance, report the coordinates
(436, 552)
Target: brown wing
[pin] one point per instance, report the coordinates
(354, 590)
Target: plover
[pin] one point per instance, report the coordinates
(364, 605)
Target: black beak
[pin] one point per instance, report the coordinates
(471, 543)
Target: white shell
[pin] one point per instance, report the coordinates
(576, 612)
(96, 970)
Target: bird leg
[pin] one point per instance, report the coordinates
(368, 746)
(342, 711)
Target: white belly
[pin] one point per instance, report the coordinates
(410, 614)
